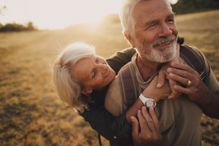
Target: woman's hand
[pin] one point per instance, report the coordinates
(157, 93)
(149, 133)
(150, 91)
(163, 76)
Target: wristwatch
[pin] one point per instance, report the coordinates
(147, 101)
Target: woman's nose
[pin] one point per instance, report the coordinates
(103, 67)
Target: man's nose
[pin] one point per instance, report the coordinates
(165, 30)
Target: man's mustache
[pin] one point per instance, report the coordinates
(162, 40)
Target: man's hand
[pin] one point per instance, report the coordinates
(189, 80)
(148, 134)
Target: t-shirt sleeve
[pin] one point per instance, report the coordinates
(208, 75)
(111, 127)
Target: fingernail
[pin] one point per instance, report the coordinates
(170, 96)
(171, 74)
(158, 85)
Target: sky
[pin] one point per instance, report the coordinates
(51, 14)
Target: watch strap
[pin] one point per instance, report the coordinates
(147, 101)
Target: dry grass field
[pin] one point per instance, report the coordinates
(30, 112)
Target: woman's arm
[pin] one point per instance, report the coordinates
(100, 119)
(112, 128)
(119, 59)
(150, 91)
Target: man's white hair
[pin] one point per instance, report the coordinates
(126, 16)
(67, 87)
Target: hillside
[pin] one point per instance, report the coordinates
(30, 112)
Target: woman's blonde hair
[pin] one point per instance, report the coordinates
(67, 86)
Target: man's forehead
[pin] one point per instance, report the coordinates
(165, 3)
(149, 8)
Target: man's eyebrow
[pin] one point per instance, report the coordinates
(151, 22)
(171, 15)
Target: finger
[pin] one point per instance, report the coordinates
(154, 118)
(182, 90)
(183, 67)
(171, 84)
(182, 73)
(142, 122)
(161, 79)
(135, 127)
(178, 78)
(148, 118)
(173, 95)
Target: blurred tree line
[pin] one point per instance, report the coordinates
(188, 6)
(9, 27)
(181, 7)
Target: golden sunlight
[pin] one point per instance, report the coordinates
(52, 14)
(57, 13)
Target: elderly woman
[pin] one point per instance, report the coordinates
(79, 71)
(82, 78)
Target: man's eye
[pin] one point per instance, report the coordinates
(151, 25)
(171, 20)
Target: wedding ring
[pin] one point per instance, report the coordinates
(189, 83)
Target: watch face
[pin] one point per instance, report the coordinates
(150, 103)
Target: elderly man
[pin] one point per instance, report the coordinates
(149, 26)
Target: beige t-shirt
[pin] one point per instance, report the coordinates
(179, 119)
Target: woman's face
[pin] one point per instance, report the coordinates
(92, 73)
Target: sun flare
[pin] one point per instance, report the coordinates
(58, 13)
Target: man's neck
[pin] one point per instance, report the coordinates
(147, 68)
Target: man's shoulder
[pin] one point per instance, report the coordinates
(114, 98)
(196, 59)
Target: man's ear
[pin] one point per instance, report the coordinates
(86, 91)
(130, 39)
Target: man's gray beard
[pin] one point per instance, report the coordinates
(160, 56)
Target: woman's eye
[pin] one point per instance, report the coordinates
(97, 60)
(93, 73)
